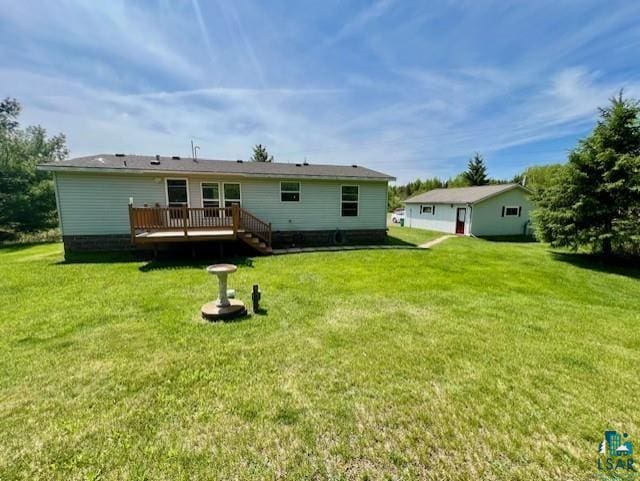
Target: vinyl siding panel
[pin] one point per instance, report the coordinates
(318, 209)
(97, 203)
(93, 204)
(487, 215)
(444, 219)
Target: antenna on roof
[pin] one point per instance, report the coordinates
(194, 151)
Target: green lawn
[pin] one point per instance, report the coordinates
(404, 235)
(473, 360)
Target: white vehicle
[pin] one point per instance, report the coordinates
(397, 215)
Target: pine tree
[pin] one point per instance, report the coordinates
(595, 201)
(476, 173)
(260, 154)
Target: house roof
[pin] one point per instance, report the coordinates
(177, 165)
(462, 195)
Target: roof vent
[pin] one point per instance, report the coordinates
(298, 165)
(305, 163)
(119, 155)
(157, 157)
(354, 166)
(155, 162)
(176, 157)
(239, 161)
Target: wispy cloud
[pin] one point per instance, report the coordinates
(398, 86)
(360, 20)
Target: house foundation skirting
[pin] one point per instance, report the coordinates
(97, 243)
(328, 237)
(122, 242)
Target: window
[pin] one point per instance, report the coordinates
(349, 201)
(511, 211)
(427, 209)
(177, 194)
(231, 194)
(290, 191)
(210, 198)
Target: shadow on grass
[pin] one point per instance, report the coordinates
(396, 241)
(244, 317)
(198, 263)
(516, 239)
(17, 247)
(616, 265)
(102, 257)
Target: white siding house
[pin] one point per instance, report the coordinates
(491, 210)
(96, 196)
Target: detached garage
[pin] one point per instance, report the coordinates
(488, 210)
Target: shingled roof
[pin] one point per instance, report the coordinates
(461, 195)
(177, 165)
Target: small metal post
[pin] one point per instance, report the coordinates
(255, 297)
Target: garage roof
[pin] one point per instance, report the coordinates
(462, 195)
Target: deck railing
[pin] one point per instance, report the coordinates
(257, 227)
(183, 218)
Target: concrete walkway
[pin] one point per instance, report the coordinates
(297, 250)
(430, 244)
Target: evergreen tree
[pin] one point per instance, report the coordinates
(260, 154)
(476, 173)
(27, 199)
(595, 201)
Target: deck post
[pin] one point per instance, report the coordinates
(235, 218)
(132, 224)
(269, 235)
(185, 223)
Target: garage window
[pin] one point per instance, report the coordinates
(511, 211)
(428, 209)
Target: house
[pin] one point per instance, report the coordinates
(488, 210)
(108, 202)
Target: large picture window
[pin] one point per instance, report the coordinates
(290, 191)
(232, 194)
(349, 201)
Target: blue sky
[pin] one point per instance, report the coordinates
(409, 88)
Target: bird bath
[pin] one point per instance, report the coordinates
(222, 307)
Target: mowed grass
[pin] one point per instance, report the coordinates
(474, 360)
(397, 235)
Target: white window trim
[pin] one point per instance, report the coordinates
(299, 191)
(507, 207)
(166, 189)
(422, 206)
(202, 194)
(357, 201)
(224, 199)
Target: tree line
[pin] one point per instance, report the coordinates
(591, 202)
(475, 174)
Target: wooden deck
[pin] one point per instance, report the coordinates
(156, 225)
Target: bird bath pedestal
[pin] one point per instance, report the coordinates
(222, 307)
